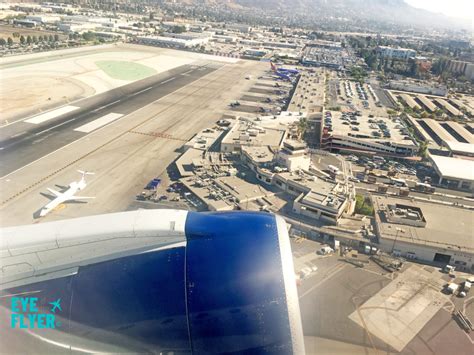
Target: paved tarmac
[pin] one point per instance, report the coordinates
(24, 142)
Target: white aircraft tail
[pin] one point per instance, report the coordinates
(84, 173)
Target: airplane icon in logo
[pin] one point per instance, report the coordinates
(56, 305)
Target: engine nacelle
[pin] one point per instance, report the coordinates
(151, 281)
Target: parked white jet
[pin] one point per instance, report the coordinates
(68, 195)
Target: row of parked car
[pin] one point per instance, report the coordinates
(378, 162)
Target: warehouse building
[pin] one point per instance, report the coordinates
(428, 232)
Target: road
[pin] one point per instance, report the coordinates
(28, 140)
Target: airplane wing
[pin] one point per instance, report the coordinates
(156, 280)
(75, 198)
(54, 192)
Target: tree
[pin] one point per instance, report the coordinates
(29, 40)
(40, 39)
(15, 34)
(35, 39)
(364, 205)
(22, 39)
(302, 126)
(56, 38)
(2, 42)
(423, 150)
(50, 38)
(178, 29)
(414, 68)
(88, 36)
(10, 41)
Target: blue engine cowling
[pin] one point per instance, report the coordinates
(229, 288)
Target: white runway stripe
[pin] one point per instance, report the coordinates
(102, 121)
(51, 114)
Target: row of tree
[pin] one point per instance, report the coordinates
(30, 39)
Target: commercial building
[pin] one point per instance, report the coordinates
(279, 45)
(245, 133)
(176, 41)
(396, 53)
(293, 156)
(428, 232)
(462, 68)
(325, 44)
(43, 19)
(170, 24)
(460, 150)
(418, 87)
(239, 28)
(316, 198)
(371, 135)
(78, 27)
(324, 204)
(25, 23)
(454, 172)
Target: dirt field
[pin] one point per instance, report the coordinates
(7, 31)
(37, 82)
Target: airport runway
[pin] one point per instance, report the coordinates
(28, 140)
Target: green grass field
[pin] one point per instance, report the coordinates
(125, 70)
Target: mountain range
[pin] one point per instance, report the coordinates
(384, 11)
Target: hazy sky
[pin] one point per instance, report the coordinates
(455, 8)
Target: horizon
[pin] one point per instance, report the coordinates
(454, 8)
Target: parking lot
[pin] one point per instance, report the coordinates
(350, 95)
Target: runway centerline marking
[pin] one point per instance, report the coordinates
(141, 91)
(51, 114)
(58, 125)
(187, 73)
(164, 82)
(102, 107)
(102, 121)
(18, 134)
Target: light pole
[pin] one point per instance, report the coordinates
(396, 236)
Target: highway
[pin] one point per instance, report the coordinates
(25, 141)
